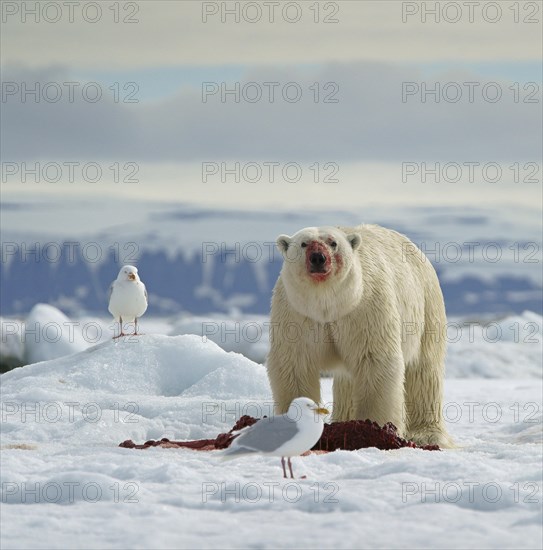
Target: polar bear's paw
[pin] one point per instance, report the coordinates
(431, 436)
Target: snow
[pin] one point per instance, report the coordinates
(247, 336)
(510, 347)
(66, 483)
(48, 334)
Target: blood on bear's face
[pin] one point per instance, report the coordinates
(320, 258)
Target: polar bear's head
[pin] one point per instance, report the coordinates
(321, 271)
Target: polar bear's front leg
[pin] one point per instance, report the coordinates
(292, 375)
(342, 389)
(379, 394)
(293, 369)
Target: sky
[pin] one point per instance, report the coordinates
(289, 104)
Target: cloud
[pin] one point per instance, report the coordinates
(155, 33)
(371, 121)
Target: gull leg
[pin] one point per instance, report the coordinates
(290, 468)
(284, 469)
(121, 327)
(136, 333)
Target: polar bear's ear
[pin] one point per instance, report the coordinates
(354, 239)
(283, 242)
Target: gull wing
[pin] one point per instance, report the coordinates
(266, 436)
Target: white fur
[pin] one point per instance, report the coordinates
(377, 323)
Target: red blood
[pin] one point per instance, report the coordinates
(349, 436)
(359, 434)
(339, 261)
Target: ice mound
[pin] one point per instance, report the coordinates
(49, 334)
(144, 365)
(140, 387)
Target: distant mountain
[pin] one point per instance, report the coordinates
(199, 260)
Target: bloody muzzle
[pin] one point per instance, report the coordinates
(317, 258)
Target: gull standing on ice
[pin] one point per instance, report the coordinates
(284, 435)
(127, 298)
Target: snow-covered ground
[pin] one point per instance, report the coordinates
(66, 483)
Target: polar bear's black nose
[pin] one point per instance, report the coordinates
(317, 259)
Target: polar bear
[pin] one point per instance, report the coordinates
(365, 305)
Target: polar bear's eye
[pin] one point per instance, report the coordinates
(304, 245)
(333, 244)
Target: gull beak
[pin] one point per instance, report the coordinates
(131, 277)
(320, 410)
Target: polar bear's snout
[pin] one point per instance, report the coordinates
(318, 260)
